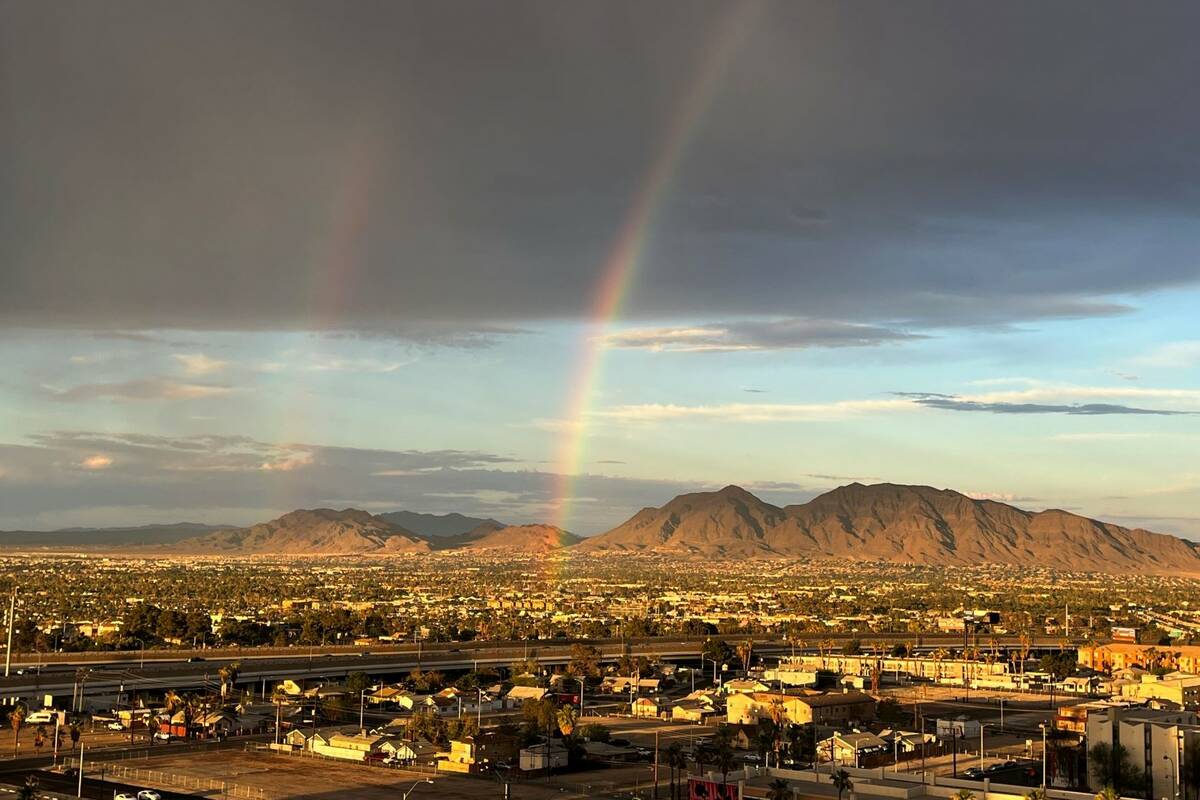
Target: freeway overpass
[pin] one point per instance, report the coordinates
(111, 672)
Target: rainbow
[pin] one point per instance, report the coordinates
(620, 267)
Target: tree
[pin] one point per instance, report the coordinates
(16, 718)
(1036, 794)
(1108, 793)
(357, 682)
(725, 760)
(1112, 767)
(229, 676)
(745, 650)
(39, 738)
(779, 790)
(842, 782)
(853, 647)
(567, 717)
(889, 711)
(765, 737)
(29, 789)
(964, 794)
(585, 661)
(75, 734)
(674, 757)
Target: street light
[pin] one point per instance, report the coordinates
(415, 785)
(1174, 785)
(1042, 725)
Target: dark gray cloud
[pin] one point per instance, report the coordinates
(230, 165)
(953, 403)
(775, 334)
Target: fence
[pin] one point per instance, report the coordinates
(154, 777)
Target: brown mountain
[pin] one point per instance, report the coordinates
(319, 531)
(903, 524)
(523, 539)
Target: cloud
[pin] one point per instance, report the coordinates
(751, 412)
(1077, 409)
(143, 389)
(780, 334)
(973, 206)
(240, 480)
(96, 462)
(1061, 399)
(199, 364)
(1097, 436)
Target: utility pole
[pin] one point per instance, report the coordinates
(362, 705)
(654, 793)
(79, 791)
(12, 618)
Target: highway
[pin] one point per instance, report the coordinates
(126, 670)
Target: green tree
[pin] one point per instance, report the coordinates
(16, 718)
(1111, 766)
(842, 782)
(964, 794)
(357, 682)
(1036, 794)
(1108, 793)
(595, 732)
(779, 790)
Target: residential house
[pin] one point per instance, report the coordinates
(850, 749)
(647, 707)
(697, 711)
(827, 708)
(356, 746)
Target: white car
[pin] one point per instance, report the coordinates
(115, 726)
(162, 736)
(123, 796)
(148, 794)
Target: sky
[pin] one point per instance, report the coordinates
(555, 262)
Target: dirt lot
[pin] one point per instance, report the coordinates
(284, 776)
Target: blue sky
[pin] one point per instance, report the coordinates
(247, 266)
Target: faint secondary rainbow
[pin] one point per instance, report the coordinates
(620, 268)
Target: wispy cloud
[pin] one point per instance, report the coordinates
(776, 334)
(752, 412)
(96, 462)
(143, 389)
(953, 403)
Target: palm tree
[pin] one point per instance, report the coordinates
(16, 718)
(29, 789)
(1108, 793)
(1036, 794)
(680, 762)
(964, 794)
(726, 761)
(779, 790)
(701, 755)
(672, 753)
(842, 782)
(39, 738)
(229, 676)
(567, 717)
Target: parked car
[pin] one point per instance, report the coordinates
(194, 659)
(41, 717)
(974, 774)
(162, 736)
(148, 794)
(752, 758)
(115, 726)
(124, 796)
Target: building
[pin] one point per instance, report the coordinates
(850, 749)
(828, 708)
(1179, 689)
(541, 757)
(480, 752)
(1157, 741)
(351, 747)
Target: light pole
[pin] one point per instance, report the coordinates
(415, 785)
(1042, 725)
(981, 727)
(1174, 782)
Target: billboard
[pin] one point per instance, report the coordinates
(704, 789)
(1124, 634)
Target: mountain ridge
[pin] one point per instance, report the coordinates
(896, 523)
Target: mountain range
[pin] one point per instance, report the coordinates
(880, 522)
